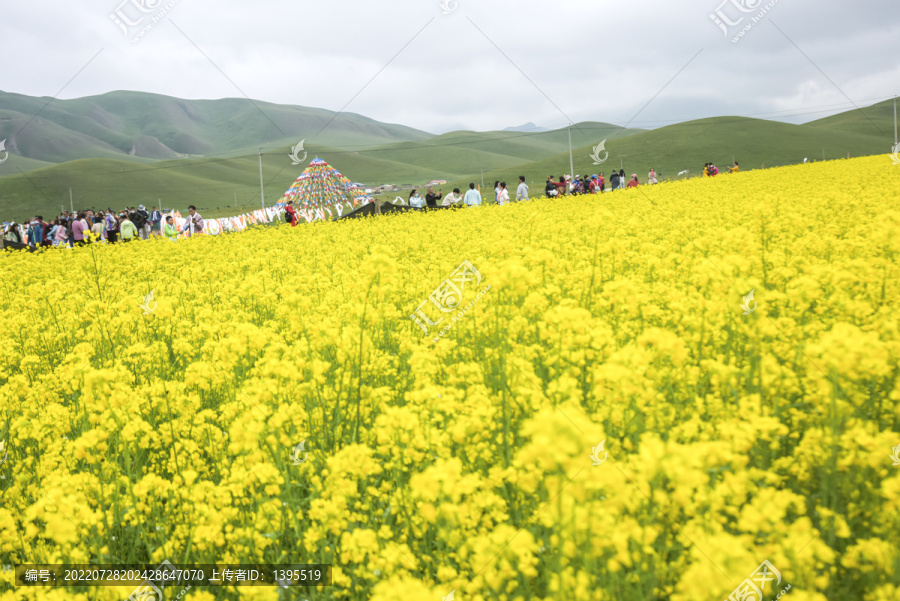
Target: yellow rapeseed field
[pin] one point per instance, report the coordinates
(607, 415)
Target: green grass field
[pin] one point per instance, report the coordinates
(227, 185)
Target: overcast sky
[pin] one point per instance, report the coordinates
(486, 65)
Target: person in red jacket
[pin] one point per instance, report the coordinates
(634, 181)
(291, 213)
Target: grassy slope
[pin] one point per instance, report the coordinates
(754, 143)
(456, 157)
(212, 183)
(208, 183)
(117, 123)
(876, 120)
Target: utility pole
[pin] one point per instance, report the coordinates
(482, 178)
(235, 199)
(71, 202)
(261, 190)
(823, 154)
(571, 159)
(895, 122)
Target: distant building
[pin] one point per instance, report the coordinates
(436, 182)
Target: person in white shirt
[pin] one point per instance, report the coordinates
(472, 197)
(452, 199)
(415, 200)
(522, 191)
(503, 194)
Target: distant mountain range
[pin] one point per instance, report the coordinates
(141, 126)
(150, 148)
(528, 127)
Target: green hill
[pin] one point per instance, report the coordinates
(150, 126)
(875, 120)
(214, 182)
(754, 143)
(164, 130)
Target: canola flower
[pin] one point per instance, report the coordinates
(464, 464)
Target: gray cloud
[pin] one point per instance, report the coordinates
(582, 60)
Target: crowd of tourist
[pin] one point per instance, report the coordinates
(553, 188)
(130, 223)
(83, 227)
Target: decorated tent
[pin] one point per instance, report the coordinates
(321, 192)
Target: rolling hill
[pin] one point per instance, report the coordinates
(754, 143)
(875, 120)
(141, 126)
(166, 135)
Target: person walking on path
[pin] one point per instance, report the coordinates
(561, 186)
(13, 234)
(550, 190)
(112, 226)
(522, 190)
(291, 214)
(128, 229)
(35, 233)
(196, 222)
(155, 222)
(97, 228)
(472, 197)
(78, 229)
(142, 222)
(170, 231)
(503, 194)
